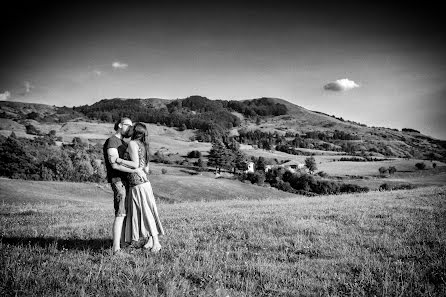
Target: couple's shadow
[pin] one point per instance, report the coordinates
(92, 245)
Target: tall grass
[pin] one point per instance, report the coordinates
(383, 244)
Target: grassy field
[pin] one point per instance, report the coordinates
(55, 241)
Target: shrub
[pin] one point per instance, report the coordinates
(434, 165)
(352, 188)
(384, 187)
(392, 169)
(322, 174)
(382, 170)
(164, 171)
(311, 164)
(194, 154)
(404, 187)
(30, 129)
(420, 166)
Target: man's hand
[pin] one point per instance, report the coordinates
(146, 169)
(141, 174)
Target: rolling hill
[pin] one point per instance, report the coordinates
(269, 115)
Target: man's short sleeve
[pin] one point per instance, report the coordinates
(113, 142)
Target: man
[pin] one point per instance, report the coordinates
(115, 147)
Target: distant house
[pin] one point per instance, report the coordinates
(268, 167)
(293, 165)
(250, 167)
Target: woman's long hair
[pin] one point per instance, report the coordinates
(140, 133)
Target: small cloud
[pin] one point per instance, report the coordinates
(28, 86)
(341, 85)
(97, 72)
(119, 65)
(5, 95)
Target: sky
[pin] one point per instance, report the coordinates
(379, 64)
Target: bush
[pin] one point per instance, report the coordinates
(194, 154)
(30, 129)
(404, 187)
(311, 164)
(420, 166)
(382, 170)
(164, 171)
(352, 188)
(322, 174)
(434, 165)
(257, 177)
(392, 169)
(385, 187)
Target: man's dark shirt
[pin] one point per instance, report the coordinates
(114, 175)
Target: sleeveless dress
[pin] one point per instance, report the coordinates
(142, 214)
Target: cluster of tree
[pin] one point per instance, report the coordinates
(227, 155)
(420, 166)
(60, 115)
(191, 113)
(384, 170)
(335, 135)
(194, 154)
(388, 187)
(194, 112)
(362, 159)
(336, 141)
(256, 107)
(41, 159)
(409, 130)
(300, 183)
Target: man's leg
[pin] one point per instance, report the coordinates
(120, 214)
(117, 232)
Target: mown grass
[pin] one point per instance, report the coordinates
(383, 244)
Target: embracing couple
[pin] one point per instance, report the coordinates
(136, 214)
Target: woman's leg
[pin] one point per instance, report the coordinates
(156, 244)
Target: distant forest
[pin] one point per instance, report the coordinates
(194, 112)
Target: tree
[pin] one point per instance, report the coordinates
(194, 154)
(420, 166)
(219, 156)
(382, 170)
(30, 129)
(260, 164)
(200, 163)
(392, 170)
(311, 164)
(240, 161)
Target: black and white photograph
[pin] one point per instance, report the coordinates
(222, 148)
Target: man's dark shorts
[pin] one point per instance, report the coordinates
(119, 198)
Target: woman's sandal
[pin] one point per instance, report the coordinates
(155, 249)
(149, 244)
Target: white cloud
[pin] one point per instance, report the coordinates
(97, 72)
(119, 65)
(28, 86)
(5, 95)
(343, 84)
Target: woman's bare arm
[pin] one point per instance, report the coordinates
(134, 158)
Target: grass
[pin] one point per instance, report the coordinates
(55, 241)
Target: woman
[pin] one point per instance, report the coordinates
(142, 214)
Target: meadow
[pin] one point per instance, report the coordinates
(56, 241)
